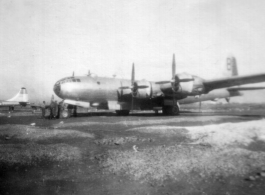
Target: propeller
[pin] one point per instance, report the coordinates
(134, 86)
(73, 74)
(175, 81)
(134, 89)
(174, 84)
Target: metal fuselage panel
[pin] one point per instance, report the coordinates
(90, 89)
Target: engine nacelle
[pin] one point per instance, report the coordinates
(181, 86)
(144, 89)
(184, 85)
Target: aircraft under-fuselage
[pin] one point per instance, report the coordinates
(124, 95)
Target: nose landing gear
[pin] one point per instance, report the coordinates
(66, 111)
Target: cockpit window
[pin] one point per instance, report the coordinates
(67, 80)
(76, 80)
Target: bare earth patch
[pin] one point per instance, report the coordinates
(119, 140)
(162, 130)
(229, 133)
(208, 152)
(30, 154)
(35, 133)
(127, 123)
(173, 162)
(219, 135)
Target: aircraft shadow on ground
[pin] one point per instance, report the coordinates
(182, 113)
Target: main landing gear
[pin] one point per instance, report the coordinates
(11, 108)
(171, 110)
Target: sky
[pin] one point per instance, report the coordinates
(43, 41)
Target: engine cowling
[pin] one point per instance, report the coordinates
(142, 89)
(183, 83)
(181, 86)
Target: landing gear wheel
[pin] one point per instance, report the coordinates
(122, 112)
(170, 110)
(166, 110)
(175, 110)
(65, 114)
(75, 111)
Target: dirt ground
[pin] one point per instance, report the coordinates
(218, 151)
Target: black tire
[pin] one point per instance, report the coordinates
(175, 110)
(59, 112)
(75, 111)
(171, 110)
(165, 110)
(65, 114)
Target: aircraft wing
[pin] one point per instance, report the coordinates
(232, 81)
(244, 88)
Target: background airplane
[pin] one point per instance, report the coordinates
(124, 95)
(20, 99)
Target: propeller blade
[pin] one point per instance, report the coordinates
(125, 87)
(133, 75)
(186, 80)
(73, 73)
(173, 67)
(133, 86)
(163, 82)
(173, 81)
(132, 103)
(141, 86)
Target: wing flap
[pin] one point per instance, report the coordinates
(232, 81)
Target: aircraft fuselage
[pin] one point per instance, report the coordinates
(91, 89)
(100, 90)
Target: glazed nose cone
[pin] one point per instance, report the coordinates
(57, 89)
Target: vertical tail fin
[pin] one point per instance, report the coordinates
(231, 66)
(22, 96)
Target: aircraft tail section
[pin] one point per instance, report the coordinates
(21, 97)
(231, 66)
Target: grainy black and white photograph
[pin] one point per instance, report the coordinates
(139, 97)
